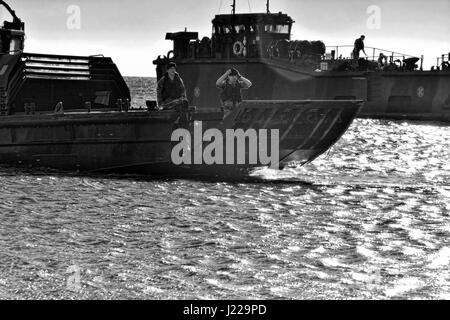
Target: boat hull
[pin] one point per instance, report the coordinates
(141, 142)
(415, 95)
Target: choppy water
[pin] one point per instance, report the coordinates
(368, 220)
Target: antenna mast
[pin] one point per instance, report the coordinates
(233, 11)
(268, 4)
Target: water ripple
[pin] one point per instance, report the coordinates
(368, 220)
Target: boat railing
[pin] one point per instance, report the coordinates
(372, 53)
(320, 61)
(443, 60)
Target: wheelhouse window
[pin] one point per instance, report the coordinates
(277, 28)
(239, 28)
(227, 29)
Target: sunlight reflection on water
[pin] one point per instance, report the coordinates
(370, 219)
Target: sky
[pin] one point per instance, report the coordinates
(132, 32)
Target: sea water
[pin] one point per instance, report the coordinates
(369, 219)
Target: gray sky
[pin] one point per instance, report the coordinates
(132, 32)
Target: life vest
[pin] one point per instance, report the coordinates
(231, 93)
(171, 89)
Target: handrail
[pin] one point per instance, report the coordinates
(392, 54)
(442, 59)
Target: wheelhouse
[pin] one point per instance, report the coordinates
(234, 36)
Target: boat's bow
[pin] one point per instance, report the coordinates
(306, 129)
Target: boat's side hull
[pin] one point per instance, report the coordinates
(417, 95)
(141, 142)
(97, 142)
(271, 81)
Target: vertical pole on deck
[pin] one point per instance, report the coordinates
(421, 63)
(233, 6)
(268, 5)
(373, 54)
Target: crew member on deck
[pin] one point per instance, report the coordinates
(171, 91)
(382, 61)
(232, 83)
(359, 45)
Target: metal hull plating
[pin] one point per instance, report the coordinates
(38, 82)
(141, 142)
(419, 95)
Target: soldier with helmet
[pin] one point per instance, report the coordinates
(232, 83)
(171, 91)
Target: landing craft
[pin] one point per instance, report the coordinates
(74, 113)
(260, 46)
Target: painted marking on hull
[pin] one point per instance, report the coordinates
(300, 146)
(336, 118)
(420, 92)
(3, 70)
(292, 125)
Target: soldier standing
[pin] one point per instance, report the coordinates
(359, 45)
(232, 83)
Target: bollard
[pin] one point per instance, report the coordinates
(119, 105)
(127, 105)
(88, 106)
(59, 108)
